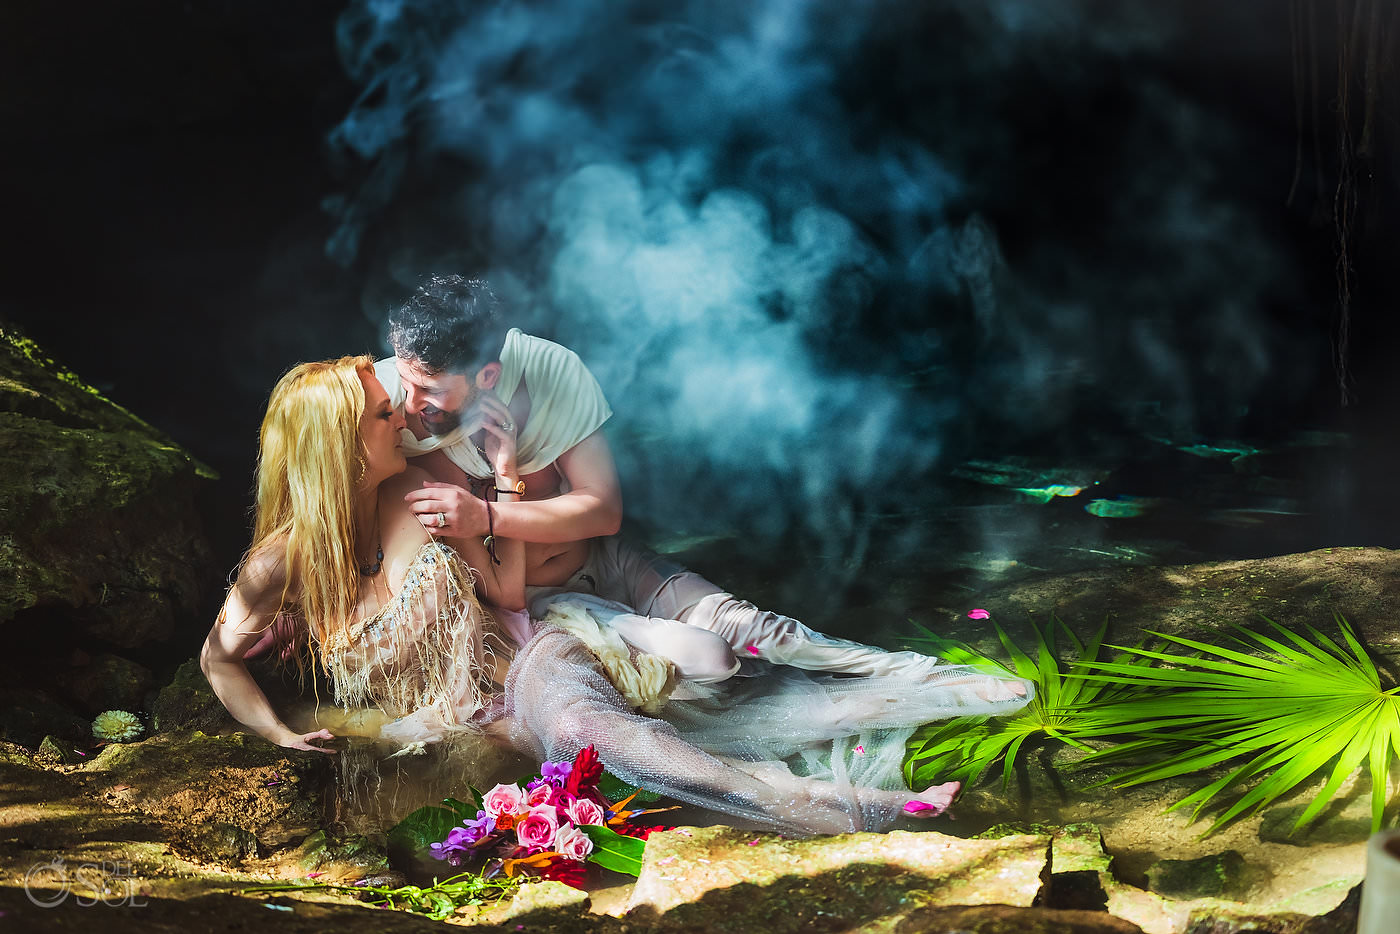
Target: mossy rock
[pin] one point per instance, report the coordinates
(26, 717)
(188, 703)
(1218, 875)
(97, 512)
(196, 780)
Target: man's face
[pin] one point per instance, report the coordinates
(438, 399)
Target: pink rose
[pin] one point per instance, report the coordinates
(584, 811)
(538, 795)
(504, 799)
(536, 829)
(572, 843)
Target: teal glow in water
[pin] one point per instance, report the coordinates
(1124, 507)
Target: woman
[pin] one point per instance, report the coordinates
(394, 619)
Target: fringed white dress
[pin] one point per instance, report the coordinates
(793, 750)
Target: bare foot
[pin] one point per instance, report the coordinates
(933, 800)
(998, 689)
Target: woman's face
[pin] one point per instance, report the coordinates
(379, 431)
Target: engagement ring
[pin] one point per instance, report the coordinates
(507, 426)
(442, 520)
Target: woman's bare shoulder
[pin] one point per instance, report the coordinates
(264, 569)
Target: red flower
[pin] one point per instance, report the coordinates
(567, 871)
(586, 771)
(632, 830)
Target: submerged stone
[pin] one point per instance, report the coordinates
(1217, 874)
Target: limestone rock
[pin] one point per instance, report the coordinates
(188, 703)
(1002, 919)
(96, 507)
(545, 903)
(345, 859)
(226, 843)
(720, 878)
(53, 750)
(277, 795)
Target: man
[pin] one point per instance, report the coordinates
(464, 385)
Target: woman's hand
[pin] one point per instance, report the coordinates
(303, 741)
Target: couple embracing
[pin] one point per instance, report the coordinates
(438, 531)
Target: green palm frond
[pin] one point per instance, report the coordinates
(1290, 706)
(1065, 707)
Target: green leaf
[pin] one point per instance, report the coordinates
(462, 809)
(612, 850)
(426, 825)
(615, 789)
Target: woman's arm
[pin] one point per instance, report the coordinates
(252, 605)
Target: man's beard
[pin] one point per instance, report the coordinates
(440, 423)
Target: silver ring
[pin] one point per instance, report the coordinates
(442, 520)
(507, 426)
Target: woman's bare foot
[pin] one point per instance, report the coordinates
(999, 689)
(933, 800)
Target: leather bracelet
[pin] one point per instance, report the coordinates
(490, 540)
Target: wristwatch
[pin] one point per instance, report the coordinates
(518, 488)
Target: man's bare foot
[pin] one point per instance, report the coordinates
(933, 800)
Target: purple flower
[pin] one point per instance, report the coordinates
(483, 825)
(556, 773)
(461, 839)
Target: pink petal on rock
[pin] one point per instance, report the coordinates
(978, 614)
(919, 807)
(751, 649)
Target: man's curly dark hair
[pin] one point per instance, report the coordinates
(449, 324)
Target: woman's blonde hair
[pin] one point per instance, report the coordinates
(310, 460)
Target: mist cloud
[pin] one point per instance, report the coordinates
(813, 251)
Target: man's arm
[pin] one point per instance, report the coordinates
(592, 506)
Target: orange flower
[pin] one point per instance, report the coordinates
(538, 861)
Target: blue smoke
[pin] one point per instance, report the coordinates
(776, 231)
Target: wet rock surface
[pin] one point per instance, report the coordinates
(196, 780)
(785, 884)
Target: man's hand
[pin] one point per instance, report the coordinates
(446, 509)
(500, 429)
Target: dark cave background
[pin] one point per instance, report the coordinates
(167, 166)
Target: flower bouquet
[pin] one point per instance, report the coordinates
(549, 826)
